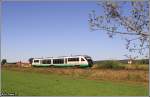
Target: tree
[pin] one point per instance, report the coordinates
(128, 19)
(30, 60)
(4, 61)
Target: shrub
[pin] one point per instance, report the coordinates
(111, 65)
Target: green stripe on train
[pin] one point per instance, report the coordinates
(63, 65)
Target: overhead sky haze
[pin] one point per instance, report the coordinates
(44, 29)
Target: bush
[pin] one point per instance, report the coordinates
(111, 65)
(142, 61)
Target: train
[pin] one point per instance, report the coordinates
(63, 61)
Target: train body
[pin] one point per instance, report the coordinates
(77, 60)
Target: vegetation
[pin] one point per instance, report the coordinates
(132, 24)
(49, 84)
(110, 64)
(125, 61)
(137, 67)
(122, 64)
(91, 73)
(142, 61)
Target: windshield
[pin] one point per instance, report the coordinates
(89, 60)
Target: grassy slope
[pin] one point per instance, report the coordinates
(24, 83)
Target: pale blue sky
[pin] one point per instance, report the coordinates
(43, 29)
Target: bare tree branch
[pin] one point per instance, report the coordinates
(134, 22)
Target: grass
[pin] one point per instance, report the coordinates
(137, 66)
(35, 83)
(91, 73)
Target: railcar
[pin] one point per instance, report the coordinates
(76, 60)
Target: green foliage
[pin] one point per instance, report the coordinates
(111, 65)
(38, 84)
(142, 61)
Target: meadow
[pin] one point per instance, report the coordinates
(46, 82)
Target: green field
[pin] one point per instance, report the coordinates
(33, 83)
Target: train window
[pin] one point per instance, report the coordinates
(73, 59)
(82, 59)
(58, 61)
(36, 61)
(46, 61)
(43, 61)
(69, 59)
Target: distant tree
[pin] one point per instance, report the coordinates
(143, 61)
(30, 60)
(128, 19)
(4, 61)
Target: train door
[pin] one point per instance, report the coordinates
(65, 62)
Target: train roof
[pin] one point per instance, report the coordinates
(63, 57)
(75, 56)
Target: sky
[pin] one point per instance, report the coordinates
(45, 29)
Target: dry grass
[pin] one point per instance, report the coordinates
(94, 74)
(128, 75)
(136, 66)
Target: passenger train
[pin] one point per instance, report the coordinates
(76, 60)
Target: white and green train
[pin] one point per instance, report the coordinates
(77, 60)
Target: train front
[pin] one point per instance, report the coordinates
(90, 61)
